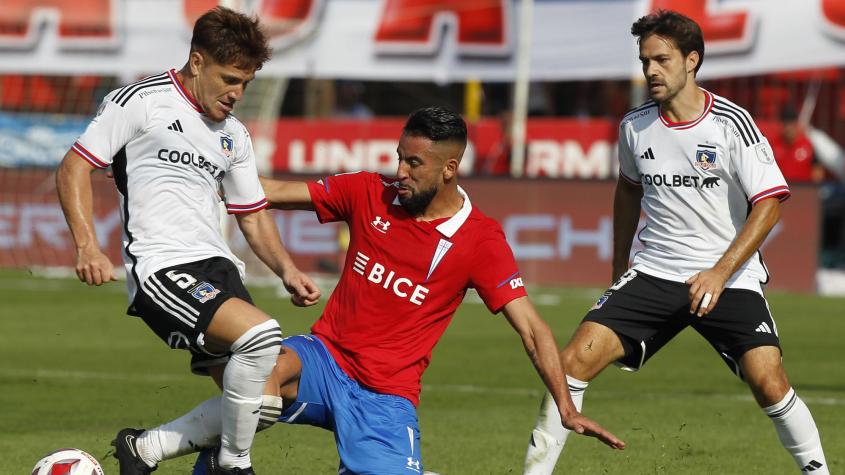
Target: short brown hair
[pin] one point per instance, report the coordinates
(682, 30)
(231, 38)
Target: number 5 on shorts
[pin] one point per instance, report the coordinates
(182, 280)
(626, 277)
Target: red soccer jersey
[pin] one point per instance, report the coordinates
(403, 280)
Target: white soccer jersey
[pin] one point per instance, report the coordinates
(171, 165)
(699, 179)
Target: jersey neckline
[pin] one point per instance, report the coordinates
(184, 91)
(708, 105)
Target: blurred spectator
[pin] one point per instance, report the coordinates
(348, 101)
(497, 162)
(794, 152)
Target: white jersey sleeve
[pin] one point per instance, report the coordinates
(627, 164)
(757, 171)
(110, 130)
(244, 193)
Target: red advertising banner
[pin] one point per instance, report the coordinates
(561, 231)
(567, 148)
(556, 148)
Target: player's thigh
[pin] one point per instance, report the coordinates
(765, 375)
(231, 320)
(643, 311)
(378, 434)
(741, 321)
(592, 347)
(312, 384)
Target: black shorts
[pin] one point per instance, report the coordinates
(646, 312)
(178, 302)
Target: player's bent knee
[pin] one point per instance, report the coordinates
(578, 364)
(262, 340)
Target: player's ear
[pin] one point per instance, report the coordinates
(450, 169)
(692, 61)
(195, 61)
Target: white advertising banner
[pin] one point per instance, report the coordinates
(418, 40)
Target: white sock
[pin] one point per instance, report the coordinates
(549, 435)
(253, 358)
(197, 429)
(798, 433)
(189, 433)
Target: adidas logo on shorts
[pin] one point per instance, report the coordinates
(763, 328)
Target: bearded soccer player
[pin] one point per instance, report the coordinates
(706, 178)
(175, 149)
(416, 245)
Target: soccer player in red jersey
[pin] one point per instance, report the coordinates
(416, 245)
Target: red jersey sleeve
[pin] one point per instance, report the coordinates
(494, 272)
(335, 196)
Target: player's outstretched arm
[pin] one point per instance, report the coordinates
(261, 233)
(763, 217)
(287, 194)
(542, 349)
(626, 217)
(73, 183)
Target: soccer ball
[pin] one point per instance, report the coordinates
(67, 462)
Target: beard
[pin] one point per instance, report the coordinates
(416, 204)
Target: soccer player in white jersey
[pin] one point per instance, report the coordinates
(706, 178)
(175, 150)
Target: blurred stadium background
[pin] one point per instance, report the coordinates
(541, 83)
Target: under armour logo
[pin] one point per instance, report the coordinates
(413, 464)
(379, 225)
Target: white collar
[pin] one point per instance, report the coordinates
(451, 226)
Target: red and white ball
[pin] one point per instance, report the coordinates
(68, 462)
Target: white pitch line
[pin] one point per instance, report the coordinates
(448, 388)
(90, 375)
(604, 394)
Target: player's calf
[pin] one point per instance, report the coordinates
(253, 356)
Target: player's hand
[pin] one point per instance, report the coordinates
(705, 289)
(303, 291)
(583, 425)
(93, 267)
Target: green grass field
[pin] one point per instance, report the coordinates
(75, 369)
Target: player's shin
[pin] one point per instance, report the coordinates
(549, 435)
(197, 429)
(189, 433)
(798, 433)
(253, 358)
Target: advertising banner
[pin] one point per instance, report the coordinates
(418, 40)
(561, 231)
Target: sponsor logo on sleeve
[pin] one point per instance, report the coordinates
(764, 153)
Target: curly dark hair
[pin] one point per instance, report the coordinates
(437, 124)
(669, 24)
(231, 38)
